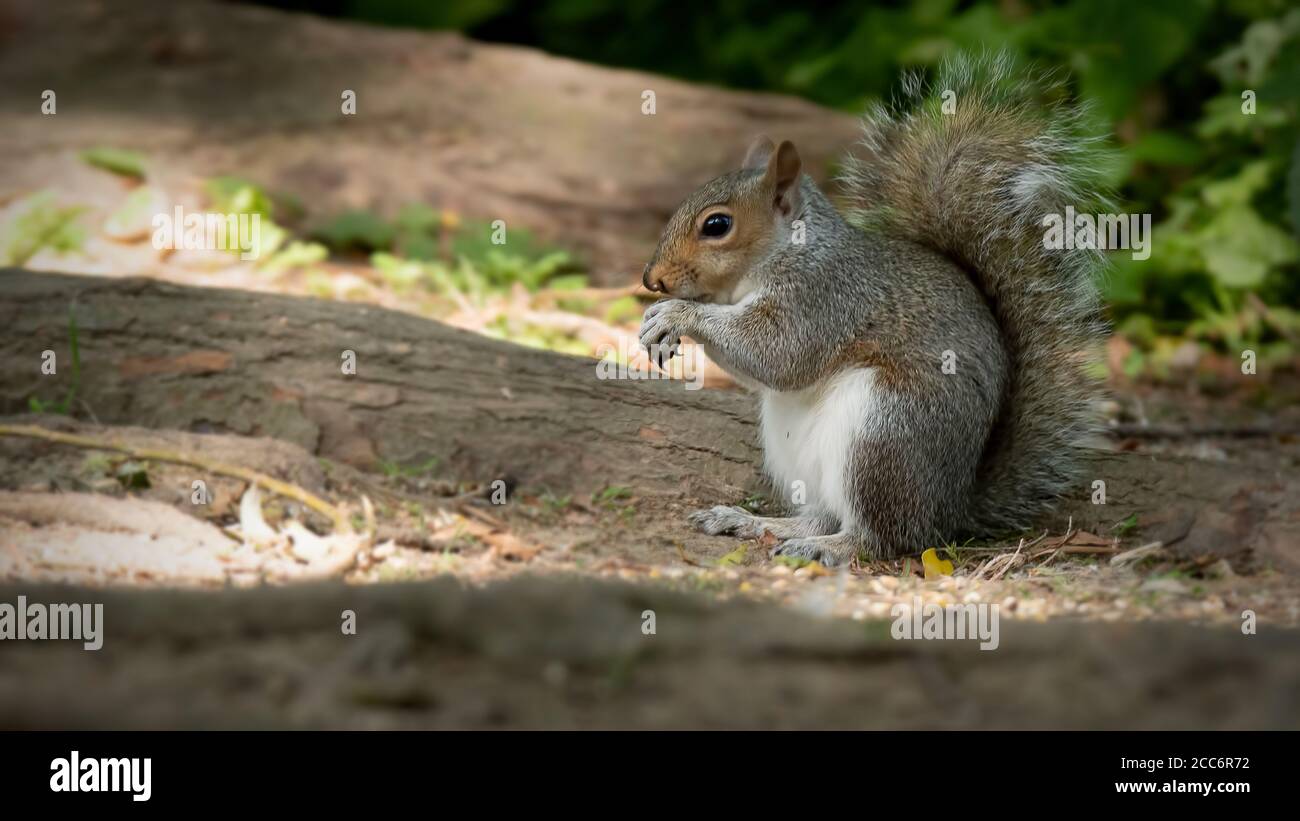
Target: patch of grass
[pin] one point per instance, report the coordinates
(610, 496)
(133, 475)
(356, 230)
(64, 405)
(395, 470)
(1126, 526)
(39, 222)
(556, 505)
(535, 336)
(757, 503)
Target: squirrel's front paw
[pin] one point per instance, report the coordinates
(662, 328)
(721, 519)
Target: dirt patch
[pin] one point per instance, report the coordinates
(534, 653)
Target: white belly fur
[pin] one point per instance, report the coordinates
(808, 435)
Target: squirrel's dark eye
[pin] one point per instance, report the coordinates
(716, 225)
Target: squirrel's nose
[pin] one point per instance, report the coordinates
(650, 280)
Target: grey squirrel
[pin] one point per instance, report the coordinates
(920, 358)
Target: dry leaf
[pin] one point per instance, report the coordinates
(252, 526)
(735, 557)
(934, 566)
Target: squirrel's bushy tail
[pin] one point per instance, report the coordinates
(969, 165)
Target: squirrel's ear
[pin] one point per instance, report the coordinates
(783, 171)
(759, 150)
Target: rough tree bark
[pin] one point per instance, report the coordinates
(164, 356)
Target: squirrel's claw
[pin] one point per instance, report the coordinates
(660, 336)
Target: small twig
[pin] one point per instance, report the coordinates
(411, 537)
(86, 407)
(1010, 563)
(1137, 554)
(481, 516)
(291, 491)
(1078, 550)
(1002, 564)
(1069, 532)
(681, 552)
(1272, 318)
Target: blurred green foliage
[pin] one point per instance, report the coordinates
(38, 221)
(423, 247)
(235, 195)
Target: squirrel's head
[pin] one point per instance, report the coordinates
(727, 225)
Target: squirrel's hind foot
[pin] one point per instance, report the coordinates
(835, 550)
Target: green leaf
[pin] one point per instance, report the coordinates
(39, 222)
(1240, 248)
(623, 309)
(1124, 527)
(399, 272)
(418, 218)
(116, 160)
(1124, 282)
(568, 282)
(234, 195)
(612, 493)
(296, 255)
(1293, 190)
(418, 246)
(1166, 148)
(1239, 189)
(133, 217)
(357, 230)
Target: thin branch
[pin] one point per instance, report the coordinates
(291, 491)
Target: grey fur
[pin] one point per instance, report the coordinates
(941, 251)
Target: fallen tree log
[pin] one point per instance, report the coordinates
(163, 356)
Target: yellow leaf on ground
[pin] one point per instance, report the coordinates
(934, 566)
(735, 557)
